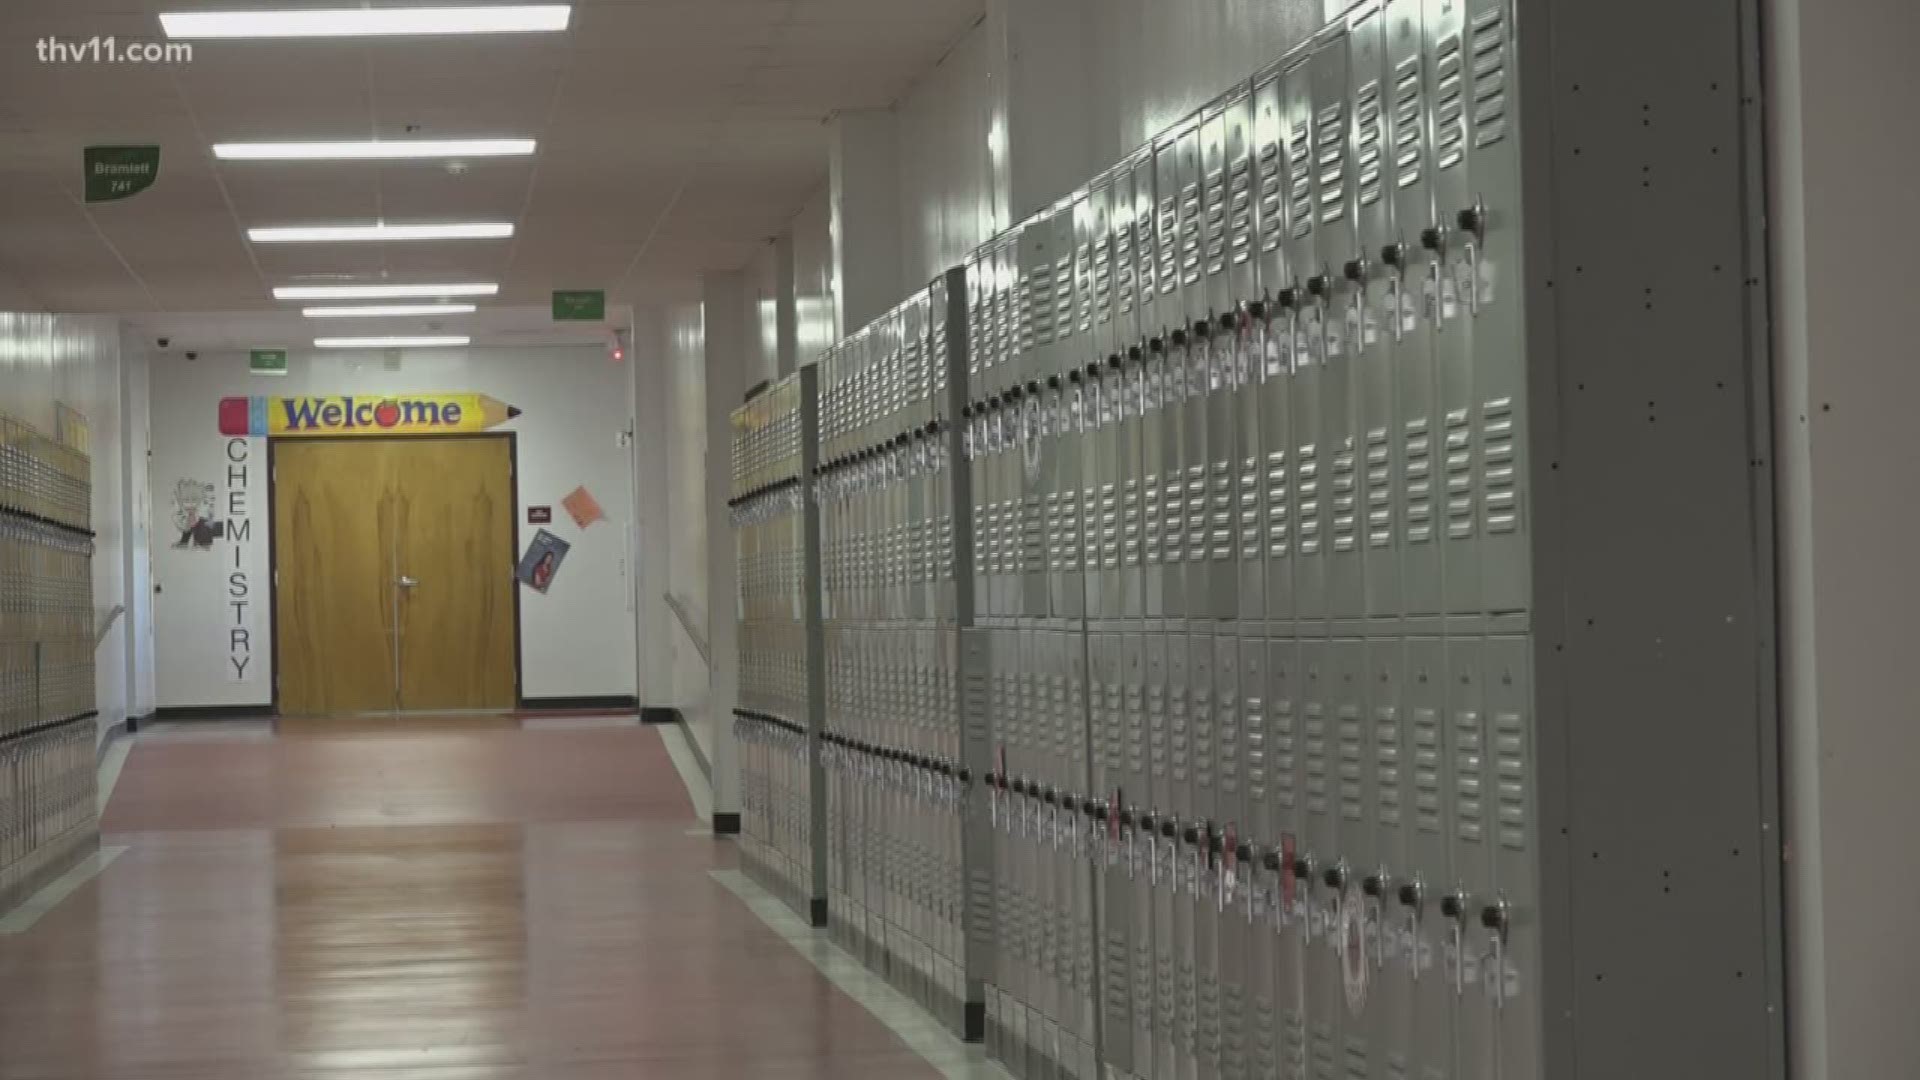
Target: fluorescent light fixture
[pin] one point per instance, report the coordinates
(429, 342)
(376, 150)
(374, 311)
(366, 22)
(383, 292)
(323, 234)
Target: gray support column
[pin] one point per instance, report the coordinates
(866, 216)
(1840, 85)
(647, 369)
(786, 313)
(724, 298)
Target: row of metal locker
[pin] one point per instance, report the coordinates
(47, 642)
(1174, 589)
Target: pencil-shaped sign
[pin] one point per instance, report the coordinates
(363, 414)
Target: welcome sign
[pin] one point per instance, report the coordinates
(363, 414)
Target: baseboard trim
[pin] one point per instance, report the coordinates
(817, 911)
(216, 712)
(134, 722)
(621, 703)
(655, 714)
(976, 1022)
(726, 823)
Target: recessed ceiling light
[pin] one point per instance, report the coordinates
(376, 150)
(373, 311)
(390, 342)
(321, 234)
(366, 22)
(382, 292)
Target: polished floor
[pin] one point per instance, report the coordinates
(448, 900)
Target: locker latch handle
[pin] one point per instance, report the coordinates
(1319, 285)
(1394, 255)
(1356, 269)
(1473, 220)
(1336, 876)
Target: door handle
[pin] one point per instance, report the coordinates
(406, 582)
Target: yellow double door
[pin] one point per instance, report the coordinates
(394, 562)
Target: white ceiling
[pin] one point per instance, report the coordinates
(676, 136)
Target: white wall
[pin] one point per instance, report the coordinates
(49, 360)
(575, 641)
(1841, 89)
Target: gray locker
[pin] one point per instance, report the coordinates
(1304, 316)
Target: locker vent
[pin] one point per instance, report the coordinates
(1157, 731)
(1407, 119)
(1123, 276)
(1190, 234)
(1353, 764)
(1449, 131)
(1150, 518)
(1379, 489)
(1283, 753)
(1216, 227)
(1063, 291)
(1227, 734)
(1330, 135)
(1469, 755)
(1419, 481)
(1179, 718)
(1279, 530)
(1309, 488)
(1386, 742)
(1036, 316)
(1251, 537)
(1346, 516)
(1130, 528)
(1357, 1058)
(1221, 509)
(1169, 240)
(1240, 208)
(1254, 717)
(1109, 522)
(1366, 118)
(1500, 489)
(1509, 733)
(1324, 1061)
(1273, 182)
(1204, 735)
(1300, 178)
(1295, 1047)
(1316, 740)
(1136, 724)
(1489, 77)
(1144, 250)
(1101, 299)
(1459, 476)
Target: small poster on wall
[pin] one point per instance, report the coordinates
(584, 508)
(542, 560)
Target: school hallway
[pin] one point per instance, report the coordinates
(426, 900)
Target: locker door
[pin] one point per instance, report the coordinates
(1373, 311)
(1414, 508)
(1473, 884)
(1159, 834)
(1195, 356)
(1174, 387)
(1203, 996)
(1325, 993)
(1292, 929)
(1448, 259)
(1214, 332)
(1336, 243)
(1151, 433)
(1510, 916)
(1305, 321)
(1255, 1036)
(1135, 800)
(1488, 228)
(1275, 331)
(1226, 1009)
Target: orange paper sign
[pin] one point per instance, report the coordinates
(584, 507)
